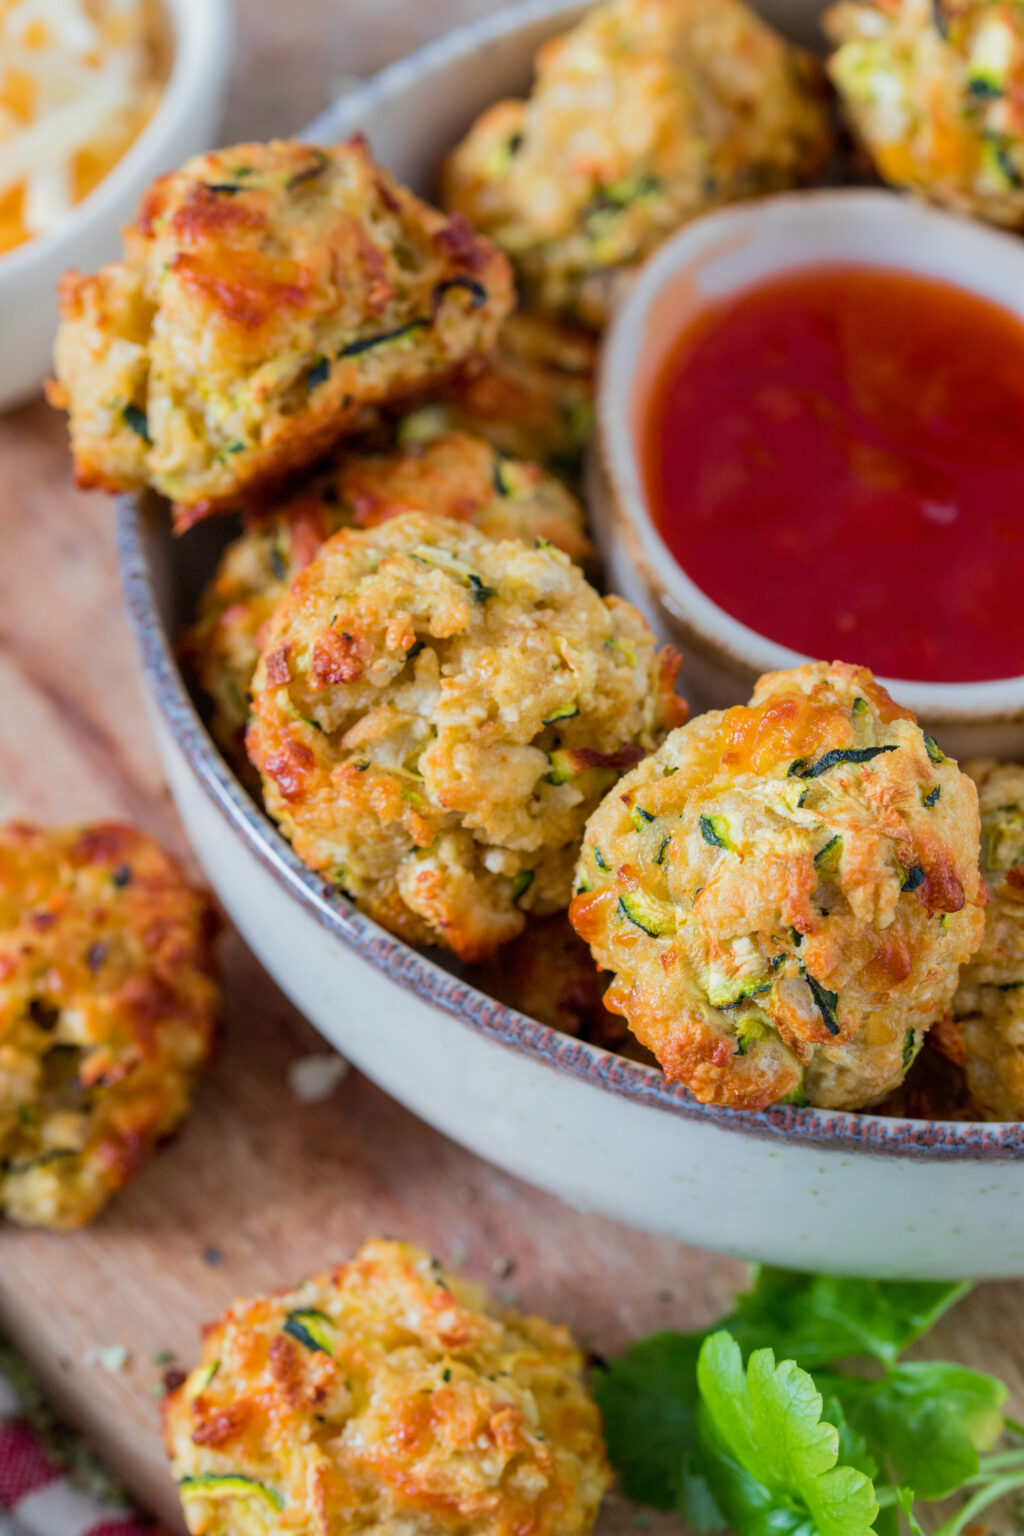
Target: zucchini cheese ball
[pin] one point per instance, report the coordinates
(986, 1034)
(269, 294)
(548, 974)
(785, 892)
(107, 1010)
(454, 475)
(932, 89)
(645, 114)
(435, 715)
(386, 1397)
(532, 397)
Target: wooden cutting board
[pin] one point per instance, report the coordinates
(259, 1190)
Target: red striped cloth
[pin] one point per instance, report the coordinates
(38, 1497)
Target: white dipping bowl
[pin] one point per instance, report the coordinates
(184, 122)
(848, 1194)
(718, 255)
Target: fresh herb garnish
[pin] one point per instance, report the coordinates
(763, 1443)
(770, 1426)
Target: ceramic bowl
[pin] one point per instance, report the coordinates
(714, 257)
(183, 123)
(844, 1193)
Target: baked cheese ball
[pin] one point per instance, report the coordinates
(548, 974)
(785, 892)
(934, 93)
(454, 475)
(435, 715)
(532, 397)
(645, 114)
(985, 1036)
(934, 1088)
(269, 294)
(107, 1011)
(391, 1398)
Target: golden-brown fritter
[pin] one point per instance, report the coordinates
(645, 114)
(548, 973)
(454, 475)
(107, 1011)
(933, 91)
(269, 294)
(386, 1397)
(985, 1036)
(785, 892)
(532, 397)
(435, 714)
(934, 1089)
(462, 476)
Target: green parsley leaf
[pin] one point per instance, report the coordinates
(767, 1449)
(926, 1419)
(764, 1449)
(817, 1319)
(648, 1400)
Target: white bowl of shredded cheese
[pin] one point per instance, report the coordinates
(96, 98)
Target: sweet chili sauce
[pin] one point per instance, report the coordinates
(836, 457)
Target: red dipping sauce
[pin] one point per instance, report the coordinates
(836, 457)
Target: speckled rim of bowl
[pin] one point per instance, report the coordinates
(702, 624)
(864, 1134)
(201, 32)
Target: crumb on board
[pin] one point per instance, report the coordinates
(110, 1357)
(314, 1078)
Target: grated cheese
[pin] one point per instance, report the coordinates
(78, 81)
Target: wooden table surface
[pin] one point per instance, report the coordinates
(258, 1190)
